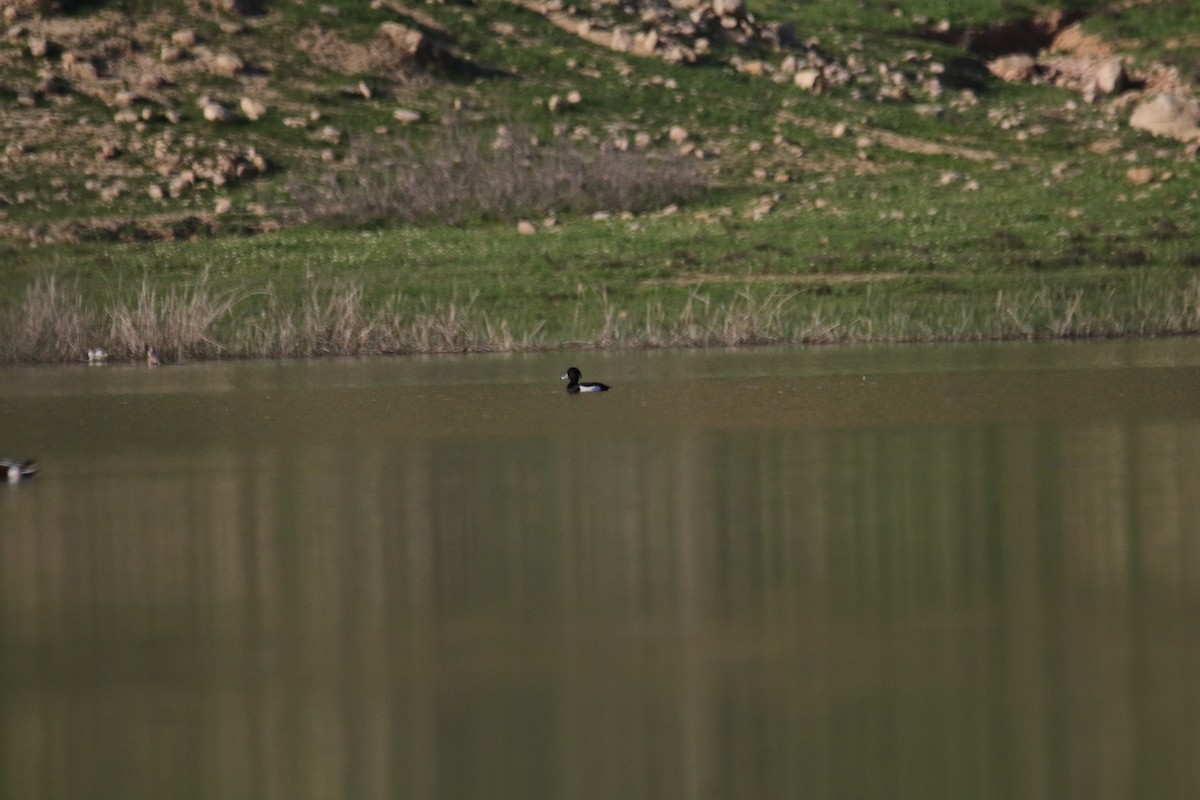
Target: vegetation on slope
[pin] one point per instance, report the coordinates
(304, 178)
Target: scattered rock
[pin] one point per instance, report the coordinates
(1139, 176)
(1013, 68)
(406, 115)
(418, 45)
(252, 109)
(1168, 115)
(226, 65)
(678, 134)
(215, 112)
(526, 228)
(1110, 76)
(108, 151)
(1073, 40)
(40, 47)
(810, 80)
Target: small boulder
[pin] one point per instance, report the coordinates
(810, 80)
(252, 109)
(215, 112)
(405, 39)
(1110, 76)
(226, 65)
(1139, 176)
(1168, 115)
(1012, 68)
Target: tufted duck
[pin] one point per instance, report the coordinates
(574, 387)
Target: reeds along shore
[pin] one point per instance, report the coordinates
(51, 322)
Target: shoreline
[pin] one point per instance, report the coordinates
(54, 325)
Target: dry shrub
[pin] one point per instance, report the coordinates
(182, 321)
(49, 324)
(458, 178)
(339, 320)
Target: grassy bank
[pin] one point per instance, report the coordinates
(315, 292)
(665, 204)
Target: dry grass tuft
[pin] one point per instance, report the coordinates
(49, 324)
(182, 321)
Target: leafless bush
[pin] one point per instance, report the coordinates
(459, 178)
(49, 324)
(181, 321)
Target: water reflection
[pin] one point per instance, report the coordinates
(838, 597)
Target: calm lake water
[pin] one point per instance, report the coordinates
(894, 572)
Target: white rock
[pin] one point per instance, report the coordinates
(227, 65)
(1139, 176)
(215, 112)
(252, 109)
(406, 115)
(1110, 76)
(1168, 115)
(729, 8)
(809, 80)
(1014, 67)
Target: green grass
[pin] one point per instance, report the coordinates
(869, 238)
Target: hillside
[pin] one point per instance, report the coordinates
(130, 122)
